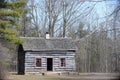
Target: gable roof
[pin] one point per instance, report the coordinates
(40, 44)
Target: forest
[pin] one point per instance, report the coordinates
(94, 25)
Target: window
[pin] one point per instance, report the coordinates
(38, 62)
(62, 62)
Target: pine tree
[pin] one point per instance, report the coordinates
(10, 14)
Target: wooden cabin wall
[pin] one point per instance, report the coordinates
(31, 56)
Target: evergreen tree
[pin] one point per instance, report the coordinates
(10, 14)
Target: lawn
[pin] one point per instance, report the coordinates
(39, 77)
(99, 76)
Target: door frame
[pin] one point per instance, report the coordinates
(47, 65)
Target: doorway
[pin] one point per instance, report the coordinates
(49, 64)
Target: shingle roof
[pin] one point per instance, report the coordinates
(37, 44)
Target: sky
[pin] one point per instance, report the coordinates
(102, 6)
(105, 7)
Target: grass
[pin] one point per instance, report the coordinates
(39, 77)
(100, 76)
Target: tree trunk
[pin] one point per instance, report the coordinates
(2, 67)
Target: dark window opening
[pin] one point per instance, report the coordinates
(62, 62)
(38, 62)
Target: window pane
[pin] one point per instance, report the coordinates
(38, 62)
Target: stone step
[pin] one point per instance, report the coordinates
(53, 73)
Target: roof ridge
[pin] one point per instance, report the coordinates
(45, 38)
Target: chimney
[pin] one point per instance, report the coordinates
(47, 36)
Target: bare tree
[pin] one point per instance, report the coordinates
(57, 16)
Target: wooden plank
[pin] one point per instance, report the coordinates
(30, 61)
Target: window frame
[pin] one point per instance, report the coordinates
(36, 61)
(60, 62)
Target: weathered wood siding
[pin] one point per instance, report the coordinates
(31, 56)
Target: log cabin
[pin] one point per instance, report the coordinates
(40, 55)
